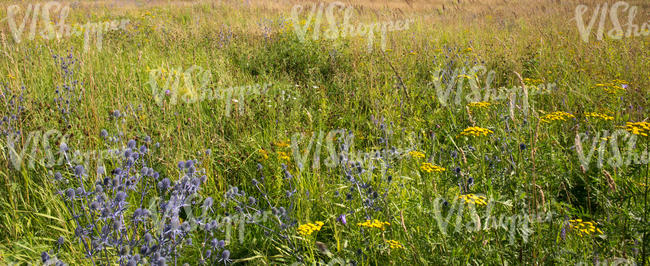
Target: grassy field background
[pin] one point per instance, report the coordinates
(526, 165)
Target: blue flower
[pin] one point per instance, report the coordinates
(342, 219)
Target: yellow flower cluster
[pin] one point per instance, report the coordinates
(599, 115)
(479, 104)
(416, 154)
(528, 81)
(428, 167)
(148, 14)
(374, 224)
(282, 143)
(471, 198)
(476, 131)
(586, 228)
(264, 154)
(307, 229)
(554, 116)
(283, 156)
(638, 128)
(466, 76)
(613, 87)
(394, 244)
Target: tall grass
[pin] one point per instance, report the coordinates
(330, 84)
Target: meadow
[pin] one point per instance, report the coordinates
(441, 132)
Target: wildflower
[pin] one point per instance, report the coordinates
(583, 228)
(282, 143)
(309, 228)
(394, 244)
(599, 116)
(638, 128)
(373, 224)
(45, 257)
(533, 82)
(464, 76)
(225, 256)
(428, 167)
(416, 154)
(283, 155)
(471, 198)
(476, 131)
(614, 87)
(479, 104)
(554, 116)
(264, 154)
(342, 219)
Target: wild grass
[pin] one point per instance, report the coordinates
(325, 85)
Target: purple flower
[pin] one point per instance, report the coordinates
(342, 219)
(70, 193)
(45, 257)
(79, 170)
(131, 144)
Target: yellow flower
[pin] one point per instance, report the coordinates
(416, 154)
(599, 115)
(479, 104)
(613, 87)
(283, 156)
(533, 82)
(476, 131)
(583, 228)
(428, 167)
(464, 76)
(264, 154)
(307, 229)
(282, 143)
(394, 244)
(471, 198)
(555, 116)
(11, 76)
(374, 224)
(469, 49)
(638, 128)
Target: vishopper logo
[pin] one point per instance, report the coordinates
(622, 149)
(225, 223)
(464, 85)
(191, 86)
(600, 14)
(37, 147)
(445, 212)
(314, 21)
(345, 153)
(49, 32)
